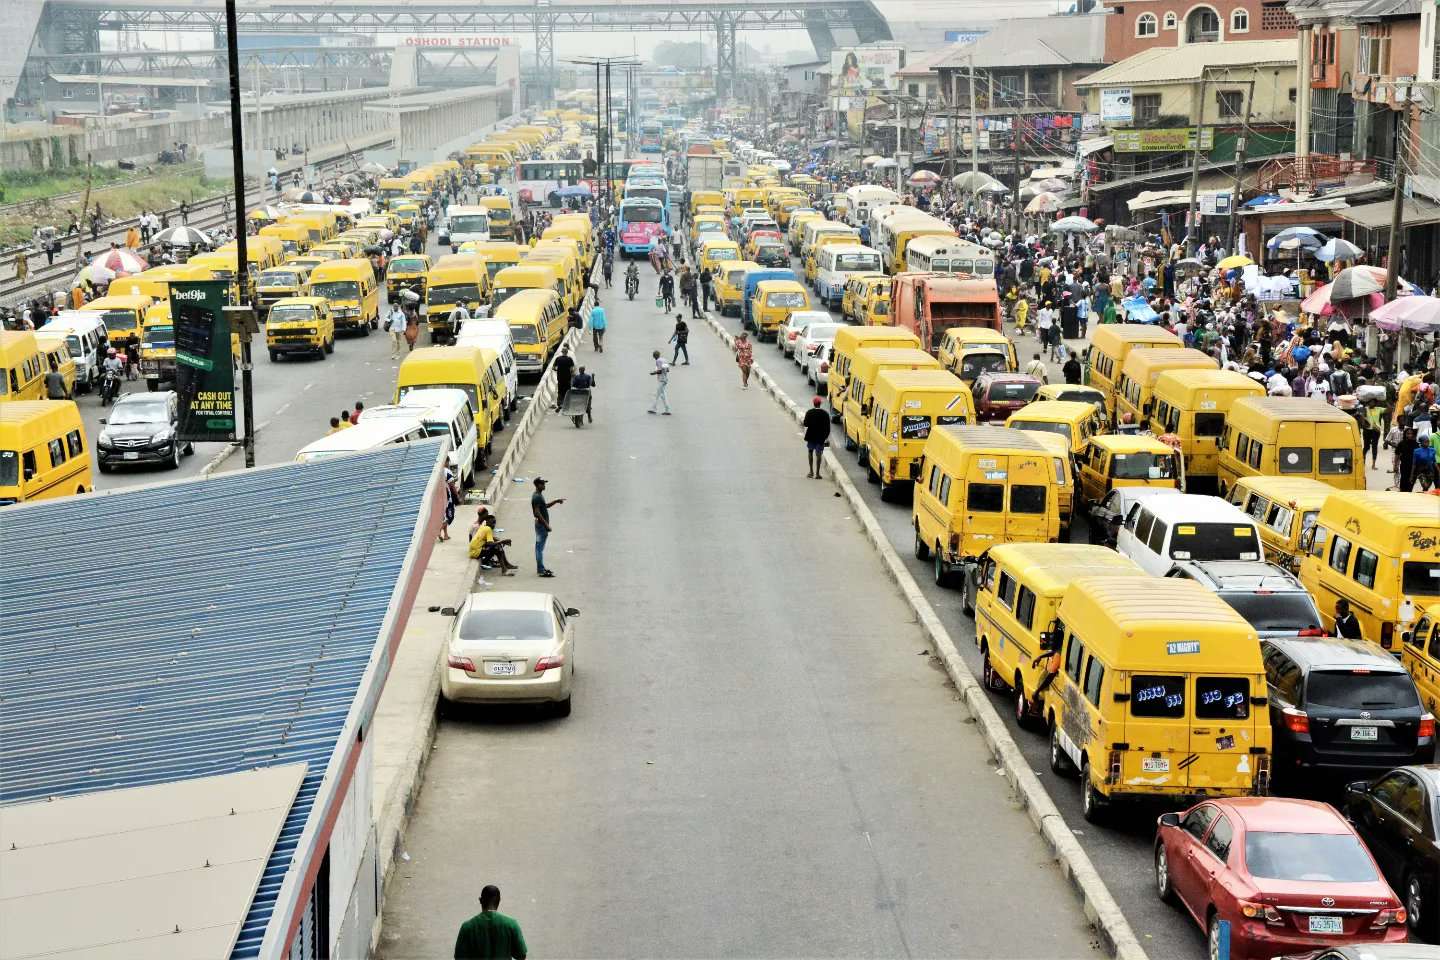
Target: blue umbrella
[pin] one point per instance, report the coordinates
(1137, 310)
(1264, 200)
(579, 190)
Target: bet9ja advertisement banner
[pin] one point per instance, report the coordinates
(204, 360)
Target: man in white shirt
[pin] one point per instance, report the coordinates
(396, 327)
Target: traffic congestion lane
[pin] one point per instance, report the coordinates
(762, 759)
(1121, 851)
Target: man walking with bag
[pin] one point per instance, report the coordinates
(662, 375)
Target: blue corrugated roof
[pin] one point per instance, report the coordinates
(193, 629)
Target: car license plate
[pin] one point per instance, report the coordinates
(131, 455)
(501, 668)
(1326, 925)
(1155, 765)
(1363, 733)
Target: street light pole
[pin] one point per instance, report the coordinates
(242, 259)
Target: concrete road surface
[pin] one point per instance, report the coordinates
(763, 759)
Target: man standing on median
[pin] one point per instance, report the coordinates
(817, 433)
(490, 935)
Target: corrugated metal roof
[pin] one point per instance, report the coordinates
(1185, 62)
(199, 628)
(1056, 41)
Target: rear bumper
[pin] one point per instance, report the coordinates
(1257, 941)
(1308, 755)
(458, 686)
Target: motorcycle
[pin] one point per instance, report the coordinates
(632, 285)
(109, 388)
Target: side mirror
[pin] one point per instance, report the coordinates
(29, 473)
(104, 420)
(445, 611)
(1357, 788)
(1169, 819)
(571, 612)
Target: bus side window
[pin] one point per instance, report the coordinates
(1073, 653)
(1094, 680)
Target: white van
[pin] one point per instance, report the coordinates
(445, 412)
(464, 223)
(863, 197)
(932, 254)
(1160, 531)
(87, 340)
(494, 335)
(836, 263)
(365, 435)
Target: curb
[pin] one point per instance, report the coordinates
(1099, 905)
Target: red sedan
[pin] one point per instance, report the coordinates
(1287, 875)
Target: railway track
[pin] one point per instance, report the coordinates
(204, 214)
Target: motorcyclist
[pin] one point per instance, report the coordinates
(113, 371)
(632, 280)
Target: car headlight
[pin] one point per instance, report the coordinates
(104, 441)
(164, 436)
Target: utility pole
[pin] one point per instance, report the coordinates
(242, 258)
(1397, 206)
(609, 135)
(1194, 218)
(1241, 146)
(1015, 139)
(899, 183)
(954, 124)
(974, 128)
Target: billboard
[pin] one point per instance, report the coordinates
(1116, 105)
(204, 371)
(1161, 141)
(861, 69)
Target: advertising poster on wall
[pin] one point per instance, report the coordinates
(863, 69)
(204, 362)
(1116, 105)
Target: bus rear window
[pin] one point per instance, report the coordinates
(985, 497)
(1222, 698)
(1339, 461)
(1214, 541)
(1027, 498)
(1157, 696)
(1420, 578)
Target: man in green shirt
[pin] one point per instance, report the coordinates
(490, 935)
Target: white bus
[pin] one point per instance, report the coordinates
(537, 181)
(863, 197)
(934, 254)
(836, 263)
(464, 224)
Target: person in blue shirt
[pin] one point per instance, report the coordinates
(597, 327)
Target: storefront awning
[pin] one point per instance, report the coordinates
(1417, 212)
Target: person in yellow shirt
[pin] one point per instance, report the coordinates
(132, 238)
(334, 426)
(485, 548)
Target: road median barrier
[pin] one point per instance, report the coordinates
(1100, 907)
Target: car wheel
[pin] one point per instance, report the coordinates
(1024, 716)
(1417, 907)
(189, 448)
(1212, 937)
(849, 444)
(562, 709)
(274, 356)
(989, 679)
(104, 467)
(364, 329)
(922, 552)
(967, 599)
(942, 569)
(175, 455)
(1163, 888)
(1092, 805)
(1059, 762)
(330, 345)
(871, 476)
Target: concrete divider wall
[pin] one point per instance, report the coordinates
(1074, 863)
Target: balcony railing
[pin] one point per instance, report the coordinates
(1308, 172)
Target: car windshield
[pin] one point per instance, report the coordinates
(470, 223)
(1273, 612)
(139, 411)
(278, 278)
(1142, 466)
(9, 468)
(524, 333)
(119, 319)
(1042, 426)
(1308, 857)
(337, 290)
(795, 299)
(160, 335)
(1356, 690)
(1214, 541)
(73, 344)
(857, 261)
(407, 265)
(441, 296)
(724, 253)
(1007, 390)
(291, 314)
(972, 366)
(485, 625)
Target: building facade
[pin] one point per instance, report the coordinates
(1135, 26)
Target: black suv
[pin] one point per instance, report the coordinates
(1271, 598)
(1343, 705)
(141, 429)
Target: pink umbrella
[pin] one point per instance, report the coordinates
(121, 260)
(1410, 313)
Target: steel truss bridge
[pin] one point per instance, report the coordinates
(80, 21)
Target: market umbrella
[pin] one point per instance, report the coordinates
(923, 178)
(375, 168)
(1234, 261)
(973, 181)
(1295, 244)
(1354, 282)
(994, 186)
(1042, 203)
(1308, 235)
(1053, 185)
(1138, 310)
(96, 274)
(1074, 225)
(1337, 249)
(265, 213)
(884, 163)
(1189, 263)
(871, 160)
(1121, 234)
(121, 260)
(183, 236)
(1417, 313)
(578, 190)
